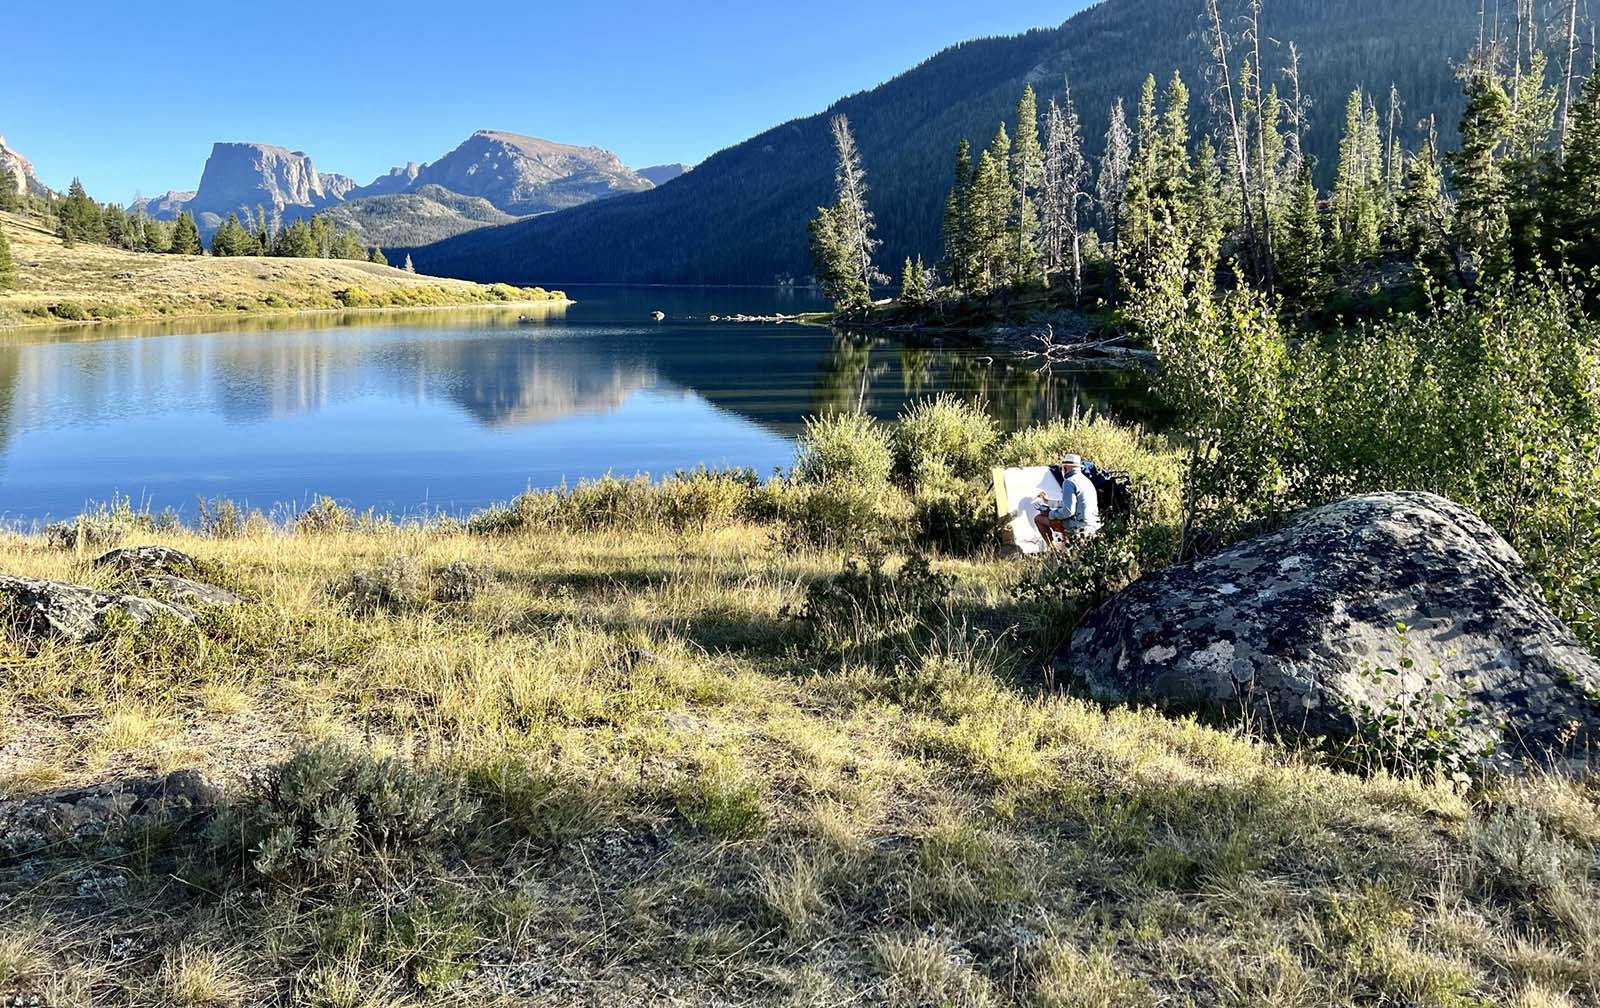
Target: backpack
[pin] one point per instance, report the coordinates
(1114, 490)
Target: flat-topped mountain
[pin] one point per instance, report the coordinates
(520, 175)
(239, 177)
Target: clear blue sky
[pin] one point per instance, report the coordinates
(130, 96)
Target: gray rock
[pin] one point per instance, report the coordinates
(188, 592)
(41, 609)
(1285, 624)
(27, 823)
(148, 560)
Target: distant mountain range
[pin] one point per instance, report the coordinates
(494, 177)
(741, 216)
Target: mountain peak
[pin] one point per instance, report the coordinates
(21, 168)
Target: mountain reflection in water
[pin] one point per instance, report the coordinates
(454, 411)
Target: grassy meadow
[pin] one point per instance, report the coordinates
(661, 744)
(89, 282)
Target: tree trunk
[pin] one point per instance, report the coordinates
(1241, 154)
(1572, 59)
(1261, 154)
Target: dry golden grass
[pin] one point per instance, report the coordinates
(675, 792)
(107, 283)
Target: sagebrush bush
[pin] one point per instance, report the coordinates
(847, 448)
(330, 813)
(944, 437)
(395, 586)
(460, 581)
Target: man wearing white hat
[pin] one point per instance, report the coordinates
(1078, 511)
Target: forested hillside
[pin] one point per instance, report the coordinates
(740, 217)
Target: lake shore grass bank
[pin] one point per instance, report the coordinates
(650, 742)
(58, 285)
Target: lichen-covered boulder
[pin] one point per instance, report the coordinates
(1290, 625)
(148, 560)
(38, 609)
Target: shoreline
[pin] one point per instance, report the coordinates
(280, 313)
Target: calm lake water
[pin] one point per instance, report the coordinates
(431, 412)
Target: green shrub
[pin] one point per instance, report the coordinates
(1058, 590)
(703, 499)
(221, 518)
(848, 448)
(434, 940)
(956, 517)
(942, 437)
(831, 516)
(331, 814)
(71, 311)
(324, 516)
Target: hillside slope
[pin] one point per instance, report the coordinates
(740, 217)
(94, 282)
(429, 214)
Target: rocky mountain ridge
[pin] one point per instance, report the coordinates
(21, 169)
(513, 175)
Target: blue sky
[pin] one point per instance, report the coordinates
(130, 96)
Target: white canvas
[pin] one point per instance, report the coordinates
(1016, 493)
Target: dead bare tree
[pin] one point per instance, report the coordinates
(1264, 253)
(1230, 108)
(1297, 113)
(1572, 61)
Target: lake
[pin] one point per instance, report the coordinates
(451, 411)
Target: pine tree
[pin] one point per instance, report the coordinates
(1204, 211)
(185, 237)
(297, 241)
(1143, 168)
(230, 239)
(1301, 252)
(1424, 210)
(989, 213)
(1527, 169)
(1478, 175)
(914, 289)
(348, 246)
(842, 235)
(1575, 200)
(408, 267)
(1026, 165)
(8, 269)
(957, 240)
(10, 192)
(154, 236)
(1355, 209)
(79, 216)
(377, 256)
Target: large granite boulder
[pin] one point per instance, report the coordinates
(1286, 625)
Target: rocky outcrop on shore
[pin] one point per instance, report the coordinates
(155, 582)
(1299, 628)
